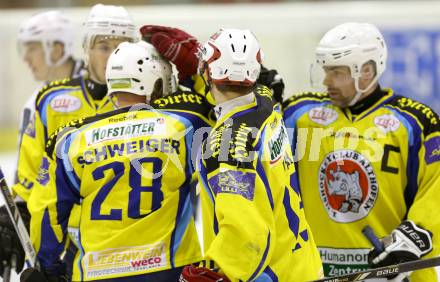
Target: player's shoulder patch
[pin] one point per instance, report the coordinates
(427, 117)
(305, 96)
(56, 85)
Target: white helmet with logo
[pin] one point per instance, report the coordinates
(232, 57)
(135, 68)
(49, 27)
(108, 20)
(353, 45)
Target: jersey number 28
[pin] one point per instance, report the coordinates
(135, 183)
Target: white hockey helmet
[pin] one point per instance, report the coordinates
(232, 57)
(108, 20)
(135, 67)
(49, 27)
(353, 45)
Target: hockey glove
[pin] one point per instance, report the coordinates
(175, 45)
(10, 246)
(405, 243)
(273, 80)
(200, 274)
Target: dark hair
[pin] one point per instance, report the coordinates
(157, 90)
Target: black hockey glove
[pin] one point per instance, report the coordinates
(10, 246)
(273, 80)
(405, 243)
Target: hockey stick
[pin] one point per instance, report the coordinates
(376, 242)
(6, 271)
(17, 221)
(382, 272)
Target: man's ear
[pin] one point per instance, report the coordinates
(57, 52)
(368, 71)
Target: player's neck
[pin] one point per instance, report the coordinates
(63, 71)
(223, 96)
(369, 92)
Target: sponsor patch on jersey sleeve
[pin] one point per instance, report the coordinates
(30, 128)
(234, 182)
(43, 173)
(432, 153)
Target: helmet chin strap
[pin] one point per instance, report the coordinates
(359, 91)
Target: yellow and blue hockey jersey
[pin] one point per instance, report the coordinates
(253, 220)
(130, 172)
(376, 163)
(56, 104)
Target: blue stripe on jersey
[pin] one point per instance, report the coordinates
(292, 218)
(183, 218)
(203, 177)
(193, 119)
(267, 276)
(304, 235)
(50, 250)
(260, 169)
(46, 101)
(293, 113)
(65, 196)
(185, 209)
(263, 259)
(413, 161)
(63, 153)
(84, 92)
(294, 183)
(189, 133)
(408, 123)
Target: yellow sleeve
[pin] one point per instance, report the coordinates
(244, 222)
(50, 204)
(424, 209)
(30, 156)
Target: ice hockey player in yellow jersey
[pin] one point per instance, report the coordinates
(253, 220)
(130, 171)
(62, 101)
(366, 156)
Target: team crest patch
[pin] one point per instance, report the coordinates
(387, 123)
(234, 182)
(347, 185)
(323, 115)
(65, 103)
